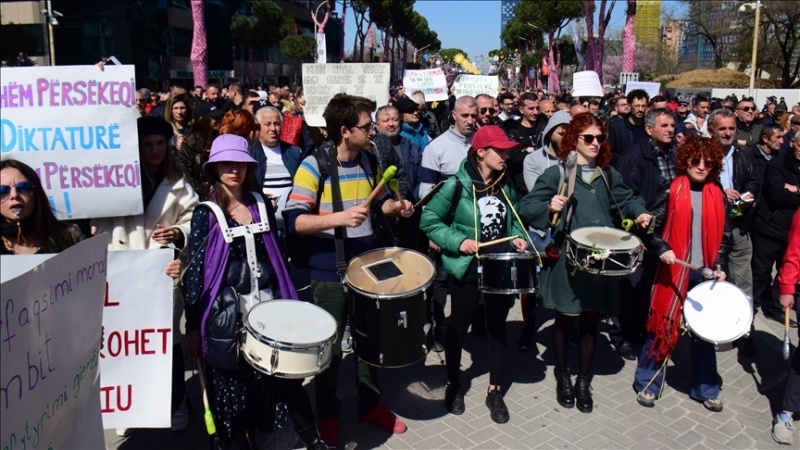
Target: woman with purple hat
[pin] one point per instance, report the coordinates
(243, 400)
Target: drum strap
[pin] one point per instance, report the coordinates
(336, 191)
(611, 193)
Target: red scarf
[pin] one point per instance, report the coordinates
(672, 281)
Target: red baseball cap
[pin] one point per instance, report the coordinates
(494, 137)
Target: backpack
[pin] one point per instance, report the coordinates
(298, 246)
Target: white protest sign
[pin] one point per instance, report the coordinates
(49, 348)
(652, 88)
(76, 126)
(431, 82)
(322, 81)
(476, 84)
(586, 84)
(136, 359)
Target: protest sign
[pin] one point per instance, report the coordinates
(136, 360)
(652, 88)
(49, 347)
(76, 126)
(431, 82)
(475, 84)
(586, 84)
(322, 81)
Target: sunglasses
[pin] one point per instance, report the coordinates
(589, 138)
(366, 128)
(696, 162)
(485, 110)
(747, 108)
(23, 188)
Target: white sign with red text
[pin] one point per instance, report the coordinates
(431, 82)
(136, 359)
(76, 126)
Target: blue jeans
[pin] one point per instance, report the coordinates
(705, 378)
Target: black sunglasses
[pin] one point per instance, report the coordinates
(485, 110)
(366, 128)
(589, 138)
(696, 162)
(747, 108)
(23, 188)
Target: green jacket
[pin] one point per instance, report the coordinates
(448, 230)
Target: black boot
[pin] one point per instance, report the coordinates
(565, 394)
(497, 407)
(454, 399)
(311, 438)
(583, 394)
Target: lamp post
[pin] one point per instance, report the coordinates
(52, 21)
(757, 5)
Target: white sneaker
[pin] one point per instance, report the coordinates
(180, 418)
(124, 432)
(782, 428)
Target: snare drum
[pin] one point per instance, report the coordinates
(604, 251)
(717, 312)
(288, 338)
(389, 318)
(507, 273)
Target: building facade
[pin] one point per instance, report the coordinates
(507, 11)
(648, 23)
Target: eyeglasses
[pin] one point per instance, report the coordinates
(589, 138)
(367, 127)
(23, 188)
(747, 108)
(696, 162)
(485, 110)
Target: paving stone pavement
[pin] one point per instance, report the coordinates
(751, 392)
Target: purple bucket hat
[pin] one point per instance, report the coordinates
(229, 148)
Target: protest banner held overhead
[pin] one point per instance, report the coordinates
(475, 84)
(322, 81)
(652, 88)
(431, 82)
(76, 126)
(586, 84)
(50, 350)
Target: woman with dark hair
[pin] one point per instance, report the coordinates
(579, 296)
(178, 113)
(28, 224)
(243, 400)
(484, 212)
(194, 153)
(691, 227)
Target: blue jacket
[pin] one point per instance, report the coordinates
(412, 162)
(289, 154)
(417, 135)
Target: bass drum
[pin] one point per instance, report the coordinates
(389, 320)
(717, 312)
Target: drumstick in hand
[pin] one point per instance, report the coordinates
(394, 185)
(787, 342)
(569, 166)
(388, 174)
(209, 418)
(497, 241)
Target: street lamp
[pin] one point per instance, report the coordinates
(52, 21)
(757, 5)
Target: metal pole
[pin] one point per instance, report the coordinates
(755, 51)
(50, 33)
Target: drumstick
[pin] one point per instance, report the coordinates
(388, 174)
(569, 166)
(209, 418)
(787, 342)
(395, 186)
(705, 271)
(497, 241)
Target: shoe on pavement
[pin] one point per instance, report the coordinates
(713, 404)
(565, 392)
(646, 399)
(497, 407)
(625, 349)
(454, 399)
(180, 418)
(583, 394)
(438, 347)
(329, 431)
(382, 417)
(782, 428)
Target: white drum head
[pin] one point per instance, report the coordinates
(717, 311)
(605, 238)
(291, 321)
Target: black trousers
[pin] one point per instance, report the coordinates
(635, 300)
(766, 253)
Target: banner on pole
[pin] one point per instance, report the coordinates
(76, 126)
(431, 82)
(322, 81)
(476, 84)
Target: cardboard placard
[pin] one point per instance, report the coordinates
(322, 81)
(431, 82)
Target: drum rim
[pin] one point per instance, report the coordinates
(288, 346)
(694, 332)
(628, 250)
(509, 255)
(405, 294)
(257, 367)
(281, 345)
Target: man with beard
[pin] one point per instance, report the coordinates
(507, 107)
(235, 96)
(697, 118)
(747, 130)
(648, 168)
(487, 113)
(526, 131)
(621, 108)
(623, 134)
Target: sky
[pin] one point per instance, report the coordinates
(472, 25)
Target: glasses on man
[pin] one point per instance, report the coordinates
(487, 110)
(367, 127)
(589, 138)
(747, 108)
(694, 162)
(22, 188)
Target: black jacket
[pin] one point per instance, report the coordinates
(528, 137)
(622, 135)
(773, 216)
(639, 169)
(748, 133)
(759, 165)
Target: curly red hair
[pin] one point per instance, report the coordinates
(695, 147)
(576, 127)
(239, 122)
